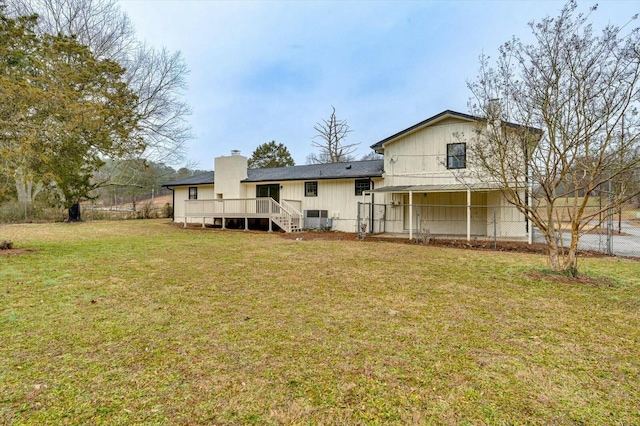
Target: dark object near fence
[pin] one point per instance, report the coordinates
(6, 245)
(74, 213)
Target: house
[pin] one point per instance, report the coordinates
(416, 185)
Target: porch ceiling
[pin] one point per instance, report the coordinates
(455, 187)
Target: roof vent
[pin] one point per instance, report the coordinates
(235, 152)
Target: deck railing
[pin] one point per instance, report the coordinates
(285, 215)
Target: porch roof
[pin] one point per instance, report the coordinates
(454, 187)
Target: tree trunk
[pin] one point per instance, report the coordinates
(571, 258)
(25, 187)
(74, 213)
(560, 260)
(552, 245)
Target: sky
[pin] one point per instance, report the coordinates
(270, 70)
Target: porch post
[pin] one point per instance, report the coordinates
(468, 215)
(410, 215)
(530, 236)
(186, 210)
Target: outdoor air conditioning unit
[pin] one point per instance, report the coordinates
(316, 219)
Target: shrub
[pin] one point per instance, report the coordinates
(168, 210)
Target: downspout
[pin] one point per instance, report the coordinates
(173, 203)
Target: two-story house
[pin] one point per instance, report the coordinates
(417, 183)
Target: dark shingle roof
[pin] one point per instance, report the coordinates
(199, 179)
(353, 169)
(435, 118)
(347, 170)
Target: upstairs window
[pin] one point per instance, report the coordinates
(456, 155)
(193, 192)
(311, 189)
(362, 185)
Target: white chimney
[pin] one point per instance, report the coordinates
(229, 173)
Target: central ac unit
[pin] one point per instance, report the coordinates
(316, 219)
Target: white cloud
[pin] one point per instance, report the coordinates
(271, 70)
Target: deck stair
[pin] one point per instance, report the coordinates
(288, 218)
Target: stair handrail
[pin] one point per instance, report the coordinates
(277, 215)
(295, 214)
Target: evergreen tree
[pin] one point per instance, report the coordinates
(62, 111)
(270, 154)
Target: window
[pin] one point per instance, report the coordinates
(193, 192)
(311, 189)
(362, 185)
(317, 213)
(456, 155)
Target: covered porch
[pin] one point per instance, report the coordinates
(471, 212)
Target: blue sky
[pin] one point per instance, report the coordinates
(270, 70)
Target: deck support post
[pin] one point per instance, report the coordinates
(223, 223)
(246, 223)
(270, 225)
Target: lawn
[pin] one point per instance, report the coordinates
(143, 322)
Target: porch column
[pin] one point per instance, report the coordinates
(530, 236)
(186, 210)
(410, 215)
(468, 215)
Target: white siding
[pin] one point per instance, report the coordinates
(336, 196)
(181, 194)
(419, 158)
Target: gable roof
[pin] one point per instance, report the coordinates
(347, 170)
(438, 117)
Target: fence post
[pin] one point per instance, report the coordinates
(358, 221)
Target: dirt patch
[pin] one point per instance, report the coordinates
(563, 279)
(16, 252)
(506, 246)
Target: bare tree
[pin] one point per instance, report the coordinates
(156, 76)
(330, 141)
(96, 23)
(576, 96)
(372, 155)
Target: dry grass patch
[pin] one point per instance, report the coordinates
(141, 322)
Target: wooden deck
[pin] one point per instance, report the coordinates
(285, 214)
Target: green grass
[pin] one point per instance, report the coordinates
(141, 322)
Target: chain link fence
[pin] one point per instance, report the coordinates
(613, 232)
(492, 225)
(43, 213)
